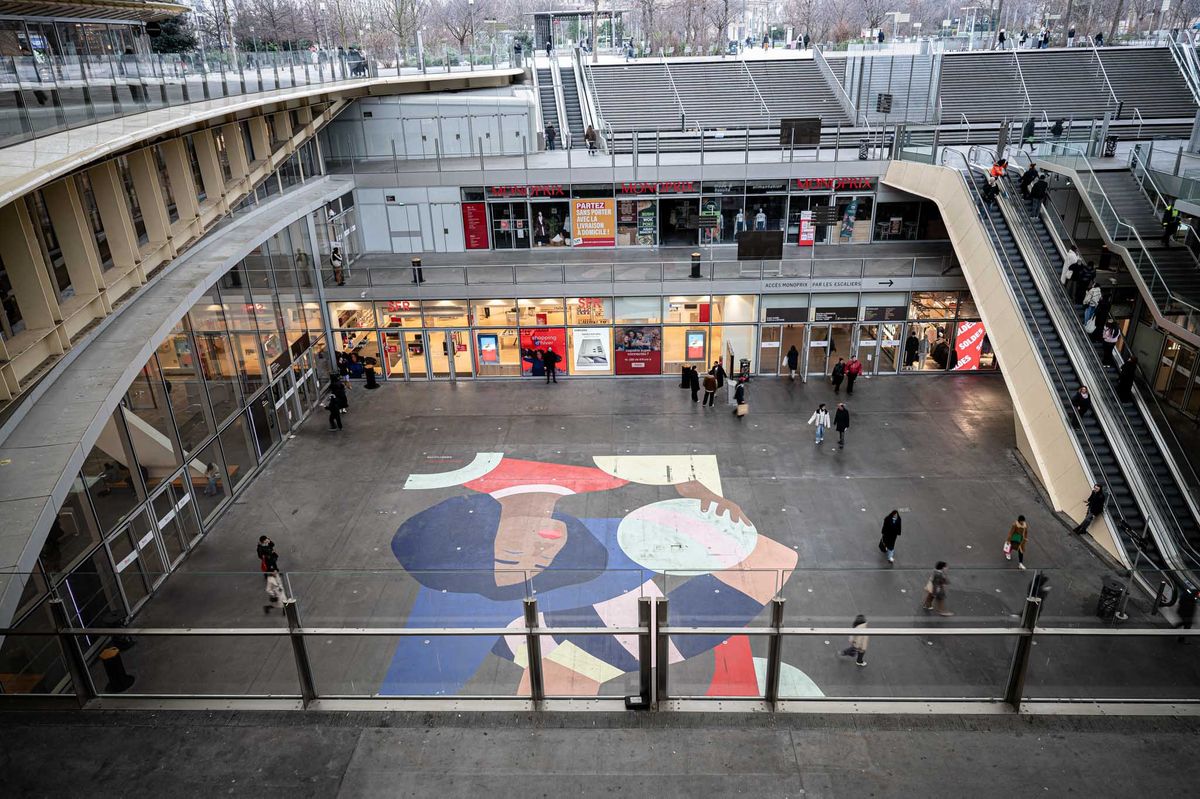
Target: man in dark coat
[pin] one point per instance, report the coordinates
(841, 421)
(793, 361)
(839, 372)
(718, 371)
(1095, 503)
(693, 378)
(337, 402)
(1125, 379)
(889, 534)
(550, 360)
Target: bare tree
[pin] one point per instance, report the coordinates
(720, 14)
(874, 12)
(460, 17)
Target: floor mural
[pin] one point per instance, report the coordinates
(477, 555)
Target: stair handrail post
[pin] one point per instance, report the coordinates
(761, 100)
(678, 99)
(1024, 87)
(1112, 94)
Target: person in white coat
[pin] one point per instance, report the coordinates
(820, 418)
(858, 641)
(1071, 259)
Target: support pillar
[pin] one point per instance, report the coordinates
(22, 256)
(179, 172)
(143, 168)
(210, 165)
(235, 149)
(114, 215)
(260, 138)
(75, 237)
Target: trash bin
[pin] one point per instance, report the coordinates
(114, 668)
(1110, 146)
(744, 368)
(863, 149)
(1112, 591)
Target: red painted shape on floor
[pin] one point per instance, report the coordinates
(733, 672)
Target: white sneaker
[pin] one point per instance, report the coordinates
(1008, 557)
(1020, 565)
(863, 664)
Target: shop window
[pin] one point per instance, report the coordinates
(933, 305)
(972, 348)
(312, 316)
(966, 305)
(732, 344)
(250, 363)
(687, 310)
(445, 313)
(733, 308)
(538, 312)
(550, 224)
(352, 314)
(767, 211)
(800, 213)
(238, 448)
(589, 311)
(147, 413)
(854, 220)
(637, 223)
(497, 353)
(684, 345)
(208, 313)
(363, 353)
(110, 475)
(209, 495)
(185, 389)
(494, 313)
(639, 310)
(220, 373)
(933, 346)
(898, 220)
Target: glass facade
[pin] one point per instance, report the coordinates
(201, 415)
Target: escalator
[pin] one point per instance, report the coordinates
(1146, 439)
(1101, 460)
(545, 80)
(574, 115)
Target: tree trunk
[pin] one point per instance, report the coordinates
(1112, 29)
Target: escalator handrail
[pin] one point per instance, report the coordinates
(1109, 411)
(1037, 340)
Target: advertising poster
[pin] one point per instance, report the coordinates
(535, 342)
(968, 346)
(475, 226)
(695, 345)
(639, 350)
(590, 349)
(647, 225)
(808, 230)
(489, 349)
(594, 222)
(848, 220)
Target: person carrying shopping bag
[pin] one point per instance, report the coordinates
(1018, 536)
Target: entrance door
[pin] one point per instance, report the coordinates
(449, 354)
(679, 221)
(889, 348)
(393, 355)
(826, 344)
(446, 223)
(770, 355)
(175, 515)
(416, 346)
(266, 426)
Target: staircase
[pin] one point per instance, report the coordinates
(719, 94)
(636, 96)
(985, 87)
(796, 88)
(905, 77)
(1147, 78)
(574, 113)
(546, 97)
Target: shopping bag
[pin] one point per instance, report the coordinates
(743, 409)
(1008, 547)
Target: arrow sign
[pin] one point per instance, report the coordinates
(886, 282)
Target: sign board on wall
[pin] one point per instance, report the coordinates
(785, 314)
(594, 222)
(535, 342)
(885, 313)
(639, 350)
(475, 225)
(590, 349)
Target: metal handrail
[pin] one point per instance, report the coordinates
(762, 100)
(675, 91)
(1033, 331)
(1024, 87)
(590, 85)
(1110, 411)
(1092, 186)
(1104, 72)
(848, 105)
(1185, 60)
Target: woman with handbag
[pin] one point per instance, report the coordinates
(739, 396)
(889, 534)
(935, 590)
(858, 642)
(1018, 535)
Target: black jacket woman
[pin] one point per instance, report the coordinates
(793, 361)
(889, 534)
(912, 349)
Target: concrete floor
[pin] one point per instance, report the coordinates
(468, 755)
(938, 448)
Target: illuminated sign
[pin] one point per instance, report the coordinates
(833, 184)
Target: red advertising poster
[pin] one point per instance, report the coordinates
(695, 345)
(535, 342)
(475, 226)
(968, 345)
(639, 350)
(808, 231)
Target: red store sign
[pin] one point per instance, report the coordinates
(667, 187)
(538, 190)
(833, 184)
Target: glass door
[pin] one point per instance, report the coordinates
(137, 560)
(449, 354)
(416, 347)
(868, 348)
(461, 362)
(818, 349)
(889, 348)
(792, 336)
(175, 515)
(393, 356)
(769, 353)
(266, 427)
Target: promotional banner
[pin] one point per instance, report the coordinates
(695, 346)
(591, 349)
(968, 345)
(639, 350)
(848, 220)
(594, 223)
(475, 225)
(808, 230)
(535, 342)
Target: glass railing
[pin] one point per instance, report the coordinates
(368, 271)
(49, 94)
(383, 635)
(1174, 308)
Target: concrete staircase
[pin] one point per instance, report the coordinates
(982, 86)
(796, 89)
(636, 96)
(1148, 79)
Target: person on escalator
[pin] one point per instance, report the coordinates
(1085, 276)
(1071, 264)
(1094, 503)
(1027, 179)
(1081, 401)
(1091, 299)
(1037, 193)
(1125, 378)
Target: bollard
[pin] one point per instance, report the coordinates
(696, 265)
(418, 275)
(114, 668)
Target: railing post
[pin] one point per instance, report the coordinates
(533, 652)
(645, 656)
(775, 652)
(662, 654)
(81, 680)
(1015, 686)
(308, 689)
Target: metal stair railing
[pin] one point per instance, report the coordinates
(1112, 94)
(589, 84)
(678, 99)
(1144, 175)
(560, 103)
(1024, 88)
(1124, 235)
(1186, 61)
(849, 108)
(762, 100)
(1109, 410)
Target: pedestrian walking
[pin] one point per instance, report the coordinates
(718, 371)
(694, 382)
(1099, 39)
(1071, 262)
(858, 642)
(550, 360)
(1125, 378)
(551, 135)
(274, 585)
(265, 547)
(1169, 225)
(1000, 39)
(1081, 401)
(336, 404)
(1071, 36)
(1094, 506)
(1186, 608)
(889, 534)
(589, 137)
(912, 349)
(837, 375)
(793, 361)
(1018, 534)
(710, 390)
(820, 418)
(853, 370)
(841, 421)
(739, 397)
(935, 590)
(336, 262)
(211, 474)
